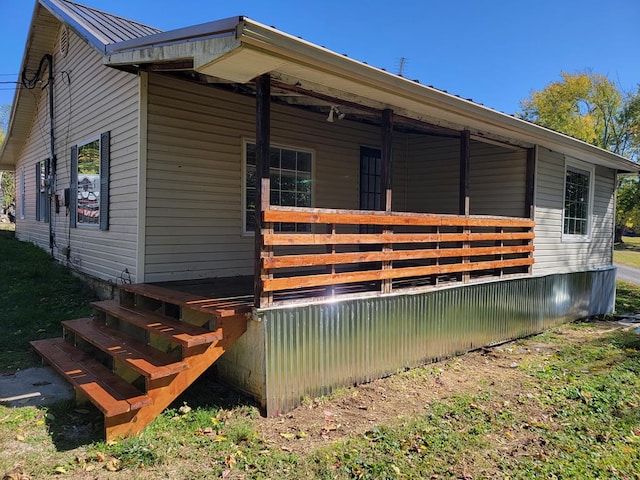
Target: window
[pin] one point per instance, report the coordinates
(577, 201)
(89, 189)
(290, 172)
(23, 193)
(43, 206)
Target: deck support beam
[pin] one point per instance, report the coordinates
(263, 186)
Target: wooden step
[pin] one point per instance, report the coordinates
(220, 307)
(147, 361)
(112, 395)
(184, 334)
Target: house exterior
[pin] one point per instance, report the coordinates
(369, 223)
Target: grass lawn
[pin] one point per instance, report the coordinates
(563, 404)
(628, 253)
(35, 295)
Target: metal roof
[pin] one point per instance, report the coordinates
(100, 28)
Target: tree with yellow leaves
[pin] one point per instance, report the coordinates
(589, 107)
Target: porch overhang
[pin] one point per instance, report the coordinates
(238, 50)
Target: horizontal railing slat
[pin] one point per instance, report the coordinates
(276, 284)
(367, 217)
(275, 239)
(311, 260)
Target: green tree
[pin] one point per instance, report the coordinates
(592, 108)
(7, 179)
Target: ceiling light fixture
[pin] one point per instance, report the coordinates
(334, 112)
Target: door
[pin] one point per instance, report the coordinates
(370, 183)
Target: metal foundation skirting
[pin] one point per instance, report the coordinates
(310, 350)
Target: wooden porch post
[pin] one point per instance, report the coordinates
(532, 154)
(386, 180)
(387, 140)
(464, 206)
(529, 207)
(465, 144)
(263, 184)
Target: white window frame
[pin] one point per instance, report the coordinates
(80, 224)
(245, 142)
(580, 167)
(23, 194)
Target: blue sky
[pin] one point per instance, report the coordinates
(493, 51)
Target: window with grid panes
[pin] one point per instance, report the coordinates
(576, 201)
(290, 172)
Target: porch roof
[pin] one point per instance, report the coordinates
(237, 50)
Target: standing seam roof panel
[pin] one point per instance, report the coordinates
(107, 26)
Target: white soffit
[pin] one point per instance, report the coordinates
(241, 65)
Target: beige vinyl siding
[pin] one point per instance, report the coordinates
(497, 180)
(497, 177)
(433, 175)
(194, 174)
(89, 100)
(554, 254)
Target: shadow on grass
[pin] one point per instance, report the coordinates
(71, 426)
(208, 392)
(629, 244)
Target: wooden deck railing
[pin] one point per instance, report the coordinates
(409, 250)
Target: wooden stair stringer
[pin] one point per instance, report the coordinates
(163, 394)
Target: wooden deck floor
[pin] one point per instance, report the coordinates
(233, 295)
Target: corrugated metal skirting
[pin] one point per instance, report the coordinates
(310, 350)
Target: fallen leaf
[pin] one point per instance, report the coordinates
(225, 473)
(184, 409)
(16, 473)
(230, 461)
(60, 470)
(20, 438)
(330, 427)
(100, 457)
(113, 464)
(301, 434)
(288, 436)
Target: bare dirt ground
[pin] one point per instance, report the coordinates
(356, 410)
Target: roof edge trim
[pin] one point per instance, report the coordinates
(192, 33)
(59, 12)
